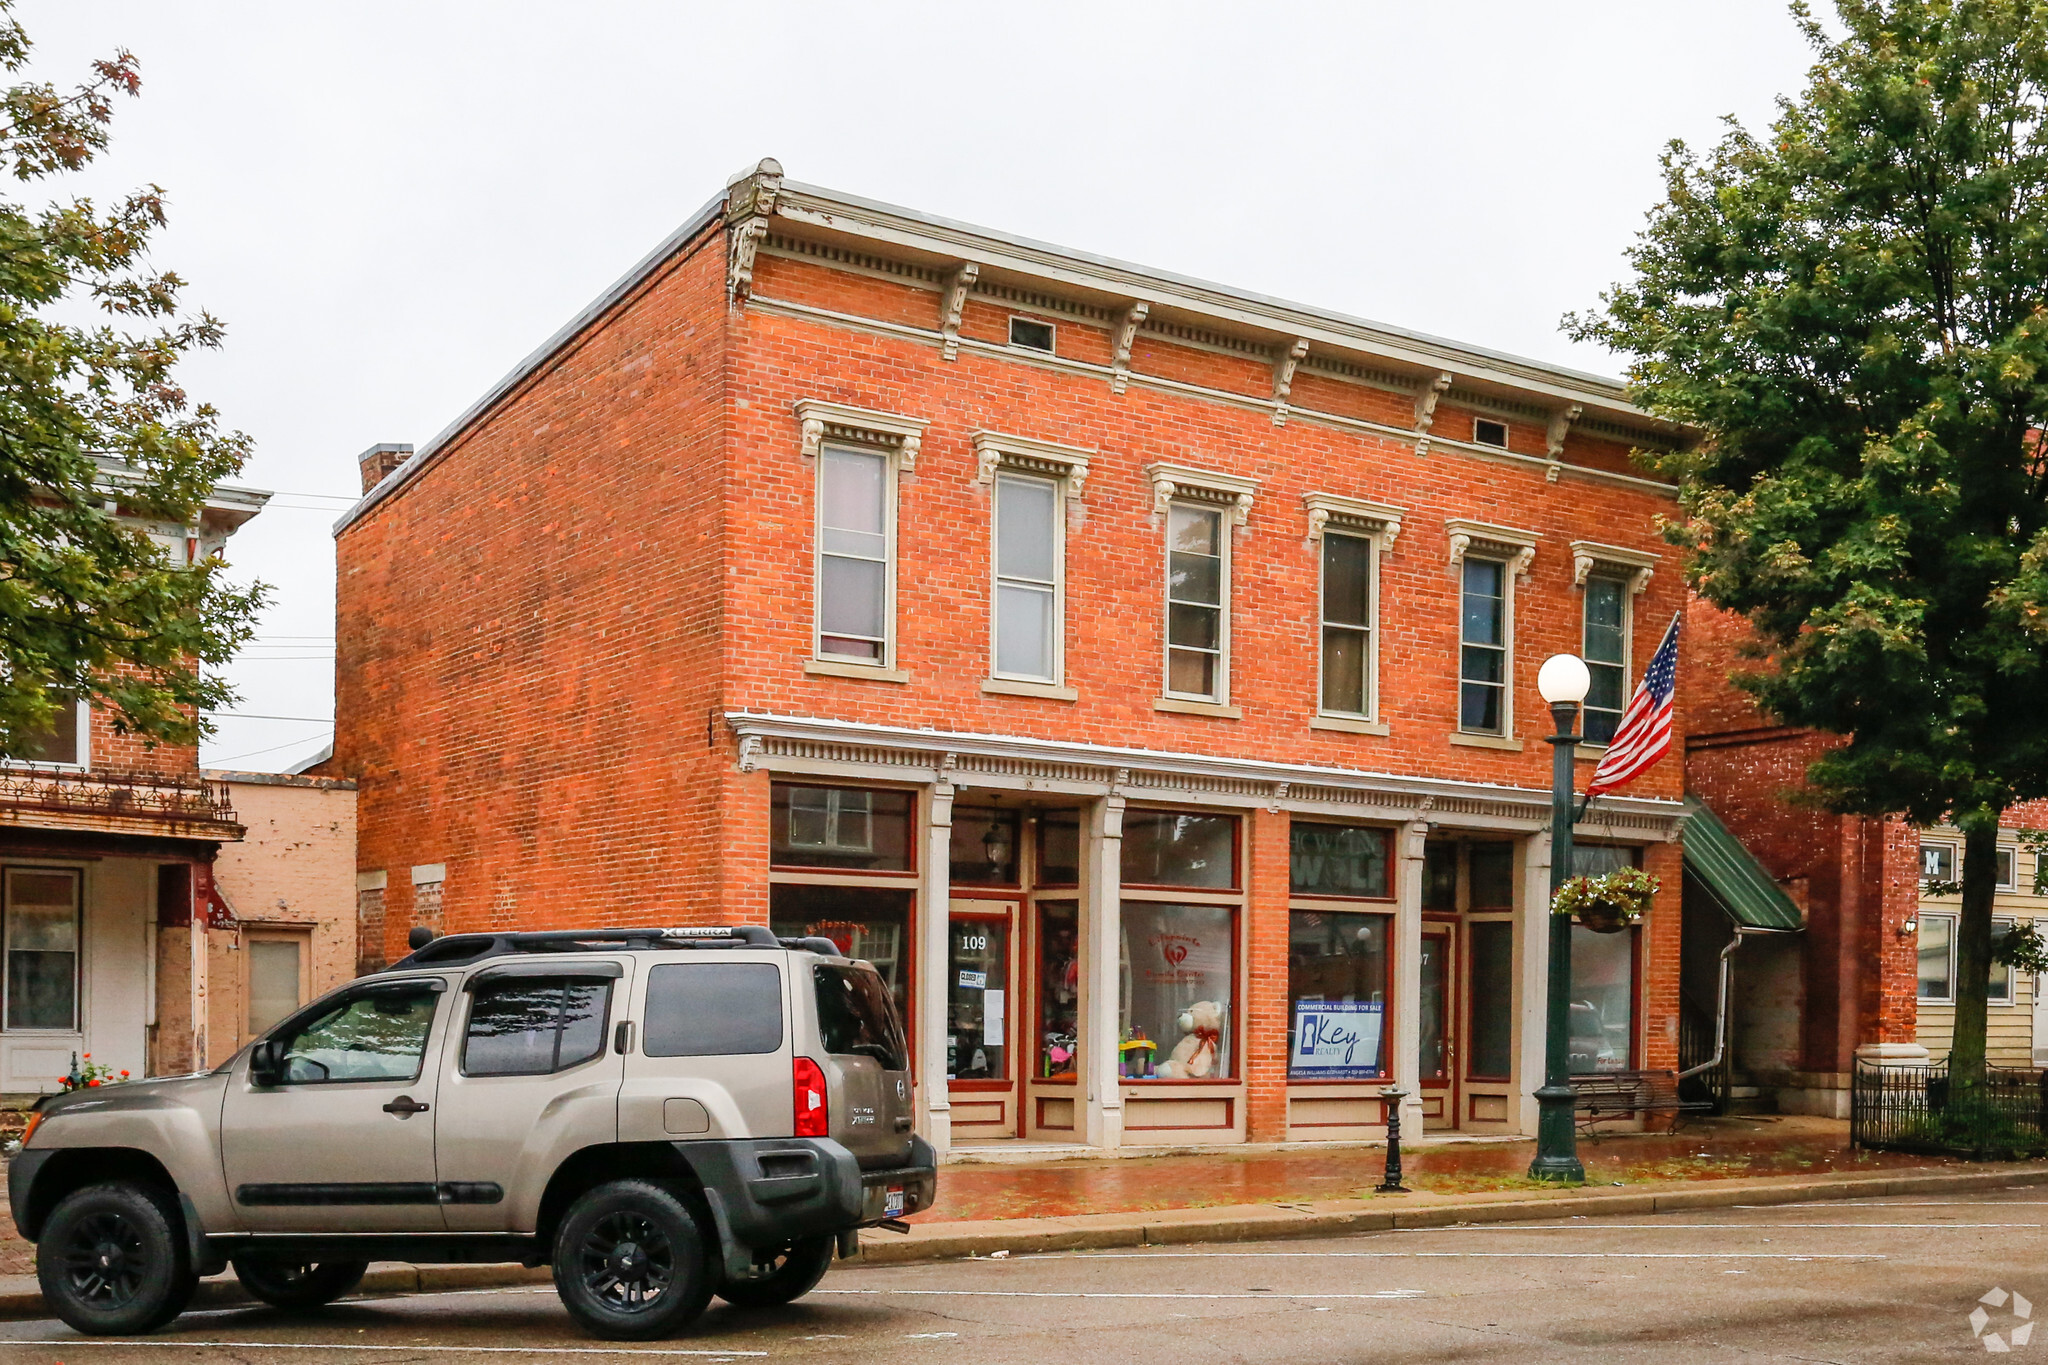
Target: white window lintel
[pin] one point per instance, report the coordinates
(1327, 510)
(995, 450)
(1171, 482)
(1634, 565)
(1517, 547)
(822, 421)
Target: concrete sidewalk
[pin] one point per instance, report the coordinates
(929, 1241)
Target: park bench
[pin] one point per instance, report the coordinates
(1602, 1095)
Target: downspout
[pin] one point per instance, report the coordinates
(1721, 1007)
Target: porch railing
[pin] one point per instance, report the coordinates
(1921, 1109)
(109, 792)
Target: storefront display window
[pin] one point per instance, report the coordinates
(1439, 875)
(1339, 860)
(1492, 873)
(1179, 973)
(1603, 999)
(977, 1000)
(1492, 949)
(871, 924)
(1059, 848)
(1179, 848)
(1337, 983)
(984, 846)
(1059, 987)
(849, 828)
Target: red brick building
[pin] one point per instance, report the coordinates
(1138, 670)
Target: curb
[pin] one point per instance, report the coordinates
(1242, 1223)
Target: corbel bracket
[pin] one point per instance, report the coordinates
(1284, 367)
(1560, 426)
(993, 450)
(1353, 514)
(1425, 409)
(1505, 542)
(957, 290)
(1636, 566)
(1120, 363)
(749, 204)
(1172, 481)
(821, 421)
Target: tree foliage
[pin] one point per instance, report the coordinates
(96, 435)
(1853, 310)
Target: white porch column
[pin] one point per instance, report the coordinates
(1408, 975)
(934, 924)
(1101, 971)
(1532, 979)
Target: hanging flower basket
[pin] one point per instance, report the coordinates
(1608, 903)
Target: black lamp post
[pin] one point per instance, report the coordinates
(1564, 683)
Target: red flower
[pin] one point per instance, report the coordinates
(94, 1081)
(124, 1075)
(88, 1056)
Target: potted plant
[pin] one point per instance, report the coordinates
(1608, 903)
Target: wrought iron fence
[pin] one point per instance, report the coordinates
(1923, 1109)
(107, 792)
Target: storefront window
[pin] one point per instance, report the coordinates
(1603, 973)
(1492, 947)
(1339, 860)
(984, 846)
(871, 924)
(1593, 860)
(977, 1000)
(1179, 971)
(1493, 877)
(1059, 986)
(1337, 983)
(840, 827)
(1439, 876)
(1059, 848)
(1177, 848)
(42, 948)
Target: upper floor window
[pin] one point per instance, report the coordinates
(1197, 590)
(1483, 647)
(1606, 654)
(856, 555)
(60, 743)
(1029, 579)
(2006, 861)
(1938, 862)
(1347, 625)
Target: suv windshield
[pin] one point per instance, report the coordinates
(855, 1016)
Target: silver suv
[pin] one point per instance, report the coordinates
(661, 1114)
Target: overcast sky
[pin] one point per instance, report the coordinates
(391, 203)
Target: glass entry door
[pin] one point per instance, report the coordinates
(1439, 1018)
(981, 1020)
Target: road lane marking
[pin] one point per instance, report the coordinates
(1475, 1255)
(1904, 1204)
(158, 1344)
(1093, 1294)
(1699, 1227)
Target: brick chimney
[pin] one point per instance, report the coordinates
(380, 460)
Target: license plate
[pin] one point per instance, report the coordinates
(892, 1202)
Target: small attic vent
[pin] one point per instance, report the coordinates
(1031, 334)
(1487, 432)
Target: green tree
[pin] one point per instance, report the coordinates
(95, 434)
(1851, 311)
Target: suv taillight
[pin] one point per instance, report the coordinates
(813, 1119)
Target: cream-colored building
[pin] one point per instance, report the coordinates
(2015, 1034)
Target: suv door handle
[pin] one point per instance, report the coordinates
(405, 1106)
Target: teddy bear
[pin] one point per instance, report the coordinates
(1194, 1056)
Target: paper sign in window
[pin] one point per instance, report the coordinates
(1336, 1040)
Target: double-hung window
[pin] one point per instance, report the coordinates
(60, 743)
(1606, 653)
(1347, 625)
(856, 555)
(1028, 577)
(1197, 589)
(1483, 647)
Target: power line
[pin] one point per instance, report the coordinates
(254, 752)
(257, 715)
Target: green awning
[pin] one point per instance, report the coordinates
(1716, 861)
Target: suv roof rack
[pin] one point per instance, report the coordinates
(459, 950)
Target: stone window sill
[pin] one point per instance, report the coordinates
(1350, 725)
(828, 668)
(1181, 707)
(1507, 743)
(1013, 687)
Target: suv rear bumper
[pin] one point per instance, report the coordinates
(768, 1191)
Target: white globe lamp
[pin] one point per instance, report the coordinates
(1564, 678)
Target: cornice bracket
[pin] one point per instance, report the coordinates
(1560, 426)
(957, 290)
(749, 204)
(1425, 409)
(1284, 367)
(1120, 362)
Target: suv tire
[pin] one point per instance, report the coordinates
(629, 1262)
(791, 1275)
(112, 1259)
(297, 1284)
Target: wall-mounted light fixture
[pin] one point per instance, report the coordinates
(1909, 926)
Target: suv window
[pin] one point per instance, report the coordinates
(530, 1026)
(378, 1036)
(714, 1009)
(855, 1016)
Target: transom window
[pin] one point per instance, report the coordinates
(1483, 647)
(856, 555)
(1606, 655)
(1028, 577)
(1197, 587)
(1347, 625)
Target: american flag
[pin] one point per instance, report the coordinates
(1645, 730)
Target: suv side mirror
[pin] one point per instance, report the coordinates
(266, 1063)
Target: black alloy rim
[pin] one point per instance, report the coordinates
(627, 1262)
(104, 1260)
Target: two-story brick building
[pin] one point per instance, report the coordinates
(1139, 671)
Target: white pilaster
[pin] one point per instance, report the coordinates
(1101, 971)
(934, 925)
(1532, 979)
(1408, 975)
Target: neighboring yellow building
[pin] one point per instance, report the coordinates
(2012, 1037)
(291, 885)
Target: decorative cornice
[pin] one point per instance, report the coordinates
(1171, 481)
(1120, 362)
(1284, 367)
(1425, 409)
(956, 303)
(994, 450)
(824, 421)
(1518, 547)
(1635, 565)
(1374, 518)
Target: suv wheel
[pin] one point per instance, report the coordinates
(297, 1284)
(112, 1259)
(629, 1262)
(793, 1273)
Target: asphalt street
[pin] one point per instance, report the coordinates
(1886, 1280)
